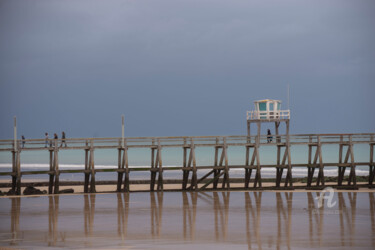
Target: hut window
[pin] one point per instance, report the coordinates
(262, 106)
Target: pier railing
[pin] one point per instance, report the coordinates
(209, 141)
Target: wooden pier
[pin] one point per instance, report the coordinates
(218, 172)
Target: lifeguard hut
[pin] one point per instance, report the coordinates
(269, 110)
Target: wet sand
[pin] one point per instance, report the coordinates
(174, 187)
(186, 220)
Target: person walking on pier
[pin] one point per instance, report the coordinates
(269, 136)
(63, 139)
(46, 134)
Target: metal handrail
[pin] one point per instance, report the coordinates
(267, 115)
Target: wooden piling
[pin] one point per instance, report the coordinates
(185, 173)
(125, 166)
(372, 164)
(226, 173)
(52, 173)
(14, 170)
(320, 179)
(341, 171)
(153, 168)
(87, 173)
(92, 169)
(56, 168)
(156, 168)
(120, 167)
(352, 174)
(216, 171)
(18, 172)
(160, 186)
(247, 169)
(288, 178)
(194, 182)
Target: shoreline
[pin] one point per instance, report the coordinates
(41, 183)
(176, 187)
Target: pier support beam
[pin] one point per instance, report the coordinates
(156, 168)
(288, 178)
(312, 165)
(371, 165)
(123, 167)
(54, 173)
(190, 165)
(258, 178)
(16, 171)
(281, 165)
(218, 163)
(56, 168)
(342, 168)
(249, 165)
(226, 183)
(218, 167)
(89, 169)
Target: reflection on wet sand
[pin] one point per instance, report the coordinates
(89, 212)
(347, 217)
(156, 213)
(53, 216)
(253, 217)
(260, 219)
(284, 219)
(15, 220)
(372, 216)
(316, 219)
(189, 214)
(122, 214)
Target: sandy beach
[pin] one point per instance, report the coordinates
(78, 189)
(185, 220)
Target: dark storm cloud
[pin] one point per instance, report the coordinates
(184, 67)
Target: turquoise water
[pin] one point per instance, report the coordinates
(138, 157)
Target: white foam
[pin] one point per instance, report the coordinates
(63, 166)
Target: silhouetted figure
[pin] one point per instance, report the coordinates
(63, 139)
(23, 141)
(56, 138)
(46, 134)
(269, 136)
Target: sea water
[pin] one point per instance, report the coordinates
(172, 157)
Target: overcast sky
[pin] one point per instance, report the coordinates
(184, 67)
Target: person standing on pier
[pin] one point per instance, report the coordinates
(56, 138)
(269, 136)
(63, 139)
(23, 141)
(46, 134)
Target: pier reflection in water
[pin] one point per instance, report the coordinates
(251, 220)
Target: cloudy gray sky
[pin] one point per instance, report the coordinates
(184, 67)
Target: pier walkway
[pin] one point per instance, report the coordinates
(218, 172)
